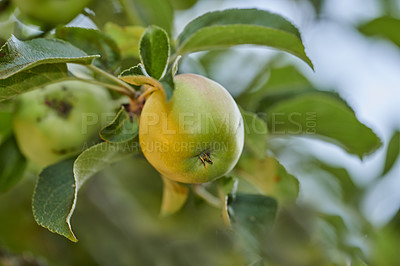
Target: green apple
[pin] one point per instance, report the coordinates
(52, 12)
(197, 136)
(59, 120)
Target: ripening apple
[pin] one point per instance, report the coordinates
(52, 12)
(197, 136)
(57, 121)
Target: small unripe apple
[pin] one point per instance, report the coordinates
(59, 120)
(197, 136)
(52, 12)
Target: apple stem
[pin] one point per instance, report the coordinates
(109, 86)
(124, 85)
(147, 91)
(207, 196)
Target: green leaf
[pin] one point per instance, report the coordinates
(98, 157)
(269, 177)
(226, 185)
(230, 27)
(127, 38)
(150, 12)
(325, 116)
(386, 27)
(31, 79)
(168, 84)
(252, 215)
(167, 81)
(54, 199)
(260, 77)
(183, 4)
(255, 134)
(105, 11)
(357, 261)
(392, 152)
(133, 71)
(174, 196)
(12, 164)
(154, 51)
(16, 55)
(135, 76)
(283, 82)
(6, 124)
(257, 262)
(124, 127)
(350, 192)
(285, 79)
(175, 65)
(93, 42)
(10, 24)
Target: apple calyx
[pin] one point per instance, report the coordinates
(205, 158)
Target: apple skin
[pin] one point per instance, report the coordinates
(201, 119)
(52, 12)
(59, 120)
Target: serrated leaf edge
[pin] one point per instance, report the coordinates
(67, 220)
(169, 49)
(304, 57)
(39, 62)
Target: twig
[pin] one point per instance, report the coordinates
(115, 79)
(110, 86)
(207, 196)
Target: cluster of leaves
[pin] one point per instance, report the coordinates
(250, 196)
(26, 65)
(386, 27)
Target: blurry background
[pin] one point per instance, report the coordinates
(347, 212)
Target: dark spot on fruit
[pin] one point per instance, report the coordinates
(39, 119)
(60, 152)
(48, 103)
(239, 124)
(277, 179)
(64, 88)
(64, 151)
(63, 108)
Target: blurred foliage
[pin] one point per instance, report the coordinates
(392, 153)
(119, 225)
(12, 164)
(119, 211)
(386, 27)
